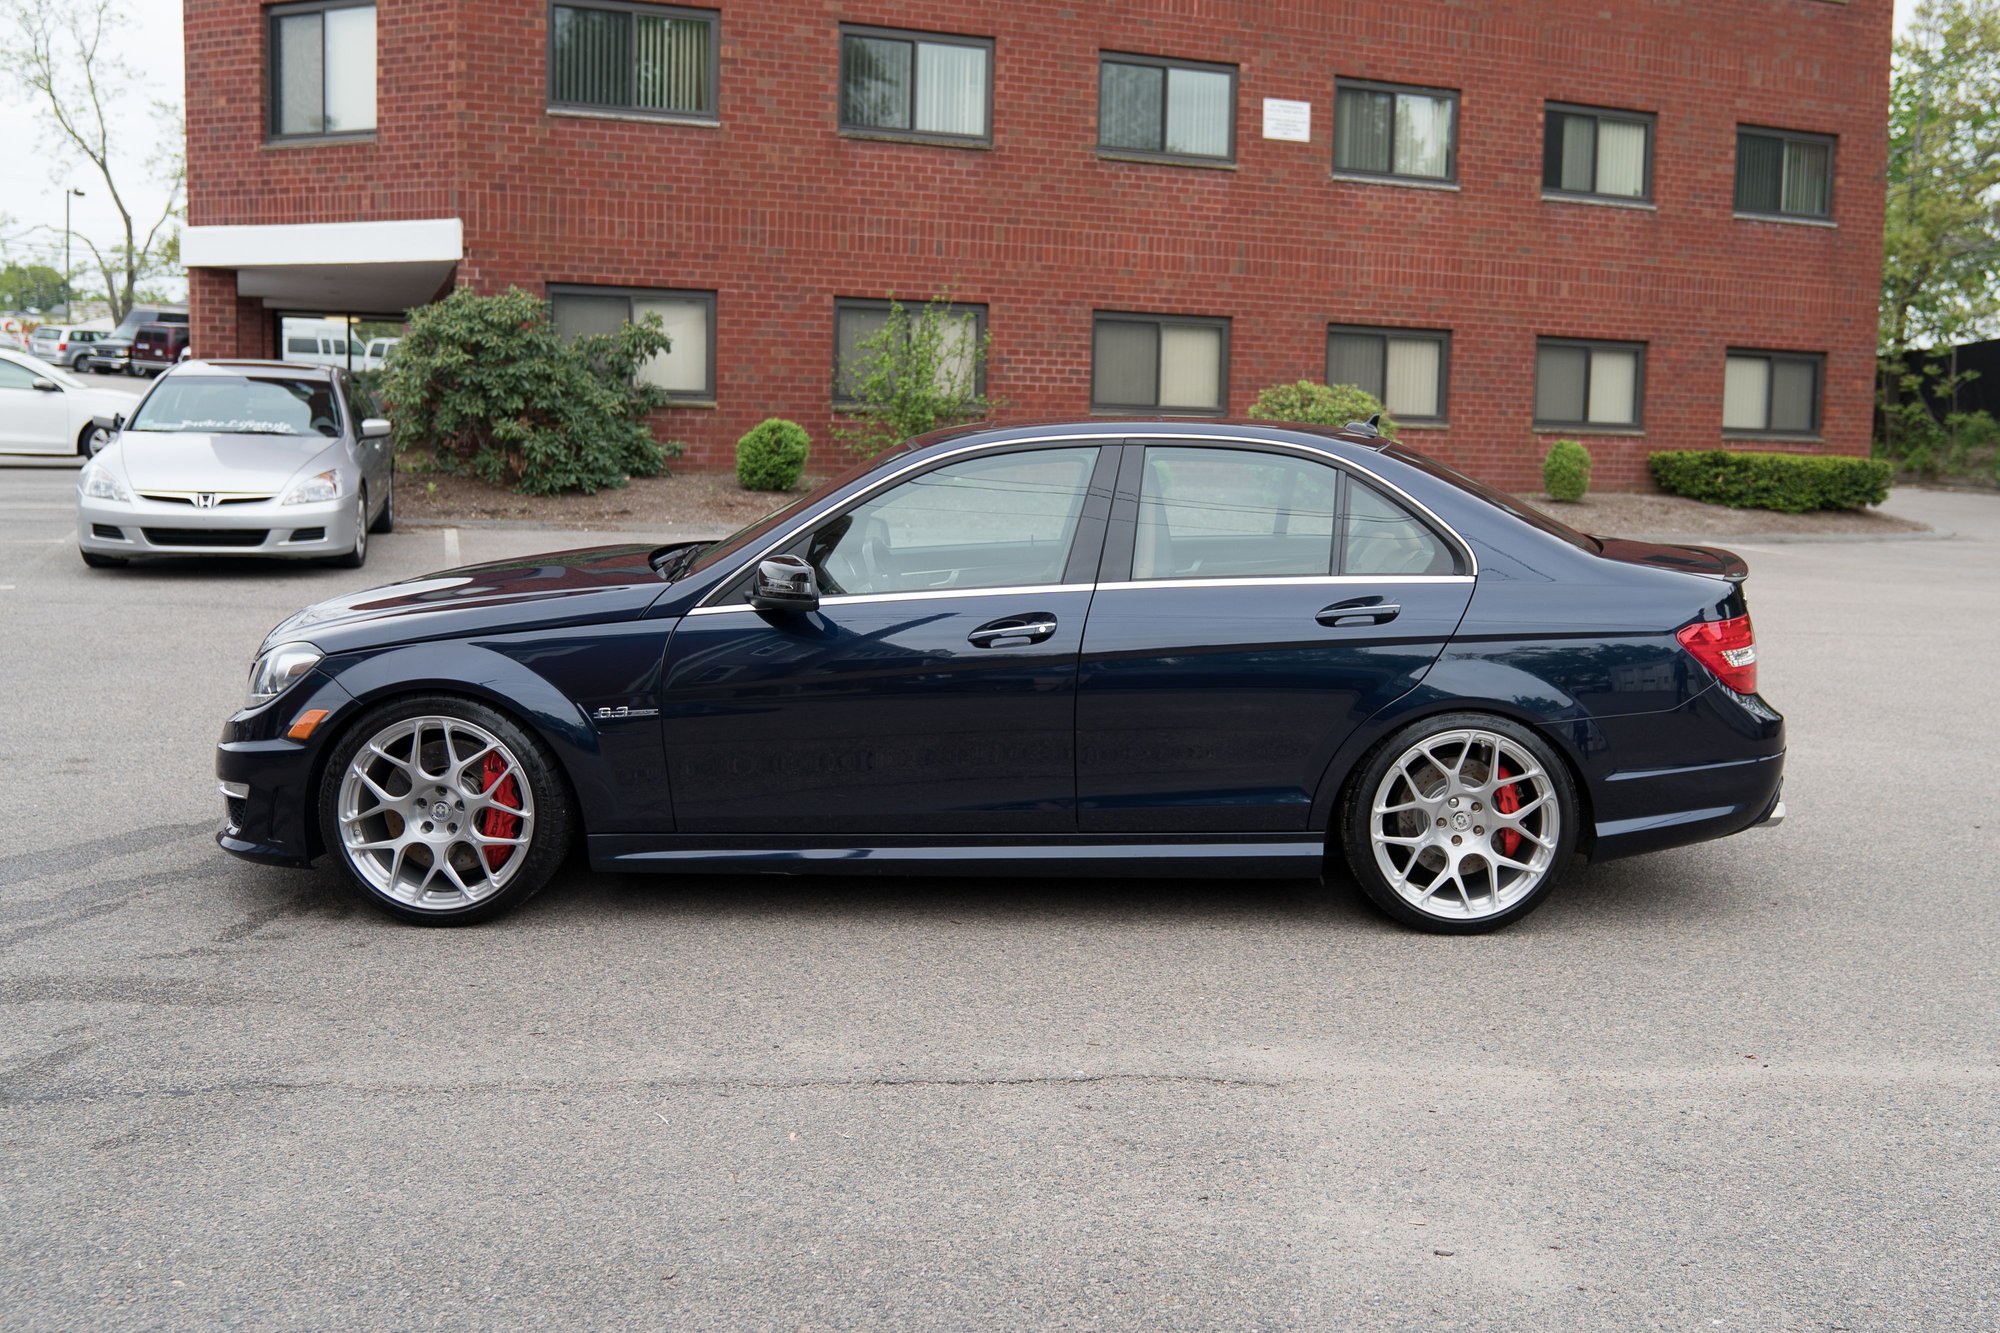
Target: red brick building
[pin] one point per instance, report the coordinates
(1640, 223)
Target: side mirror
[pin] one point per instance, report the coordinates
(784, 583)
(47, 386)
(375, 428)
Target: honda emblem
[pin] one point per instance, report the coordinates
(205, 500)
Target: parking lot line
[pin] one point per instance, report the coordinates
(451, 556)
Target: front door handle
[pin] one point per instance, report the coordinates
(1013, 631)
(1359, 611)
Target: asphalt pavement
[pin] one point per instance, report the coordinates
(1745, 1085)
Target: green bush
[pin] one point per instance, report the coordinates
(914, 374)
(771, 456)
(1566, 471)
(487, 385)
(1319, 405)
(1788, 483)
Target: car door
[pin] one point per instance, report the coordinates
(1257, 603)
(932, 692)
(33, 420)
(372, 456)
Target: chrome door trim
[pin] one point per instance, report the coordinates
(1289, 581)
(1129, 431)
(921, 595)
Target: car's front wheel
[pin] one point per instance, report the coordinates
(444, 811)
(1460, 823)
(357, 557)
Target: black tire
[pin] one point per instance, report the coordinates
(357, 557)
(1355, 821)
(549, 832)
(386, 520)
(96, 561)
(83, 441)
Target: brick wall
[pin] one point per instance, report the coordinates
(779, 214)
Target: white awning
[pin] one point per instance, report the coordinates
(367, 267)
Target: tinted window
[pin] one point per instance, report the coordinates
(1005, 520)
(1233, 513)
(1381, 537)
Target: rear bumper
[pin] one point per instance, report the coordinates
(1651, 805)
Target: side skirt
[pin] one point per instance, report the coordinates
(1276, 856)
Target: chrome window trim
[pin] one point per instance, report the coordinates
(920, 595)
(1286, 581)
(1110, 435)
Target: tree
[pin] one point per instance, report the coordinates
(1941, 233)
(31, 287)
(914, 374)
(56, 52)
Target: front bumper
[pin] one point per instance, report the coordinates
(143, 527)
(268, 780)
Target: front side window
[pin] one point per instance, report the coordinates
(686, 369)
(1783, 174)
(1588, 384)
(1166, 108)
(1607, 154)
(1001, 521)
(1772, 393)
(1403, 368)
(645, 59)
(857, 321)
(233, 405)
(16, 376)
(1386, 130)
(921, 85)
(1159, 363)
(322, 69)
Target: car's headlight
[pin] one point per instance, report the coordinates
(99, 484)
(274, 672)
(315, 490)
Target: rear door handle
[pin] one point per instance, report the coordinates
(1013, 631)
(1359, 611)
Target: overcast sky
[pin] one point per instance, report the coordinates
(34, 170)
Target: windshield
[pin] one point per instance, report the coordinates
(240, 405)
(1498, 499)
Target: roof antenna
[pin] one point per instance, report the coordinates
(1371, 427)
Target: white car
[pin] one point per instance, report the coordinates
(47, 410)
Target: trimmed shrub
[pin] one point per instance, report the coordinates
(1566, 471)
(487, 386)
(919, 371)
(771, 456)
(1319, 405)
(1788, 483)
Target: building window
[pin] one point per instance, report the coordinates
(1170, 109)
(1783, 174)
(648, 60)
(1608, 154)
(1404, 368)
(855, 321)
(322, 69)
(1382, 129)
(686, 370)
(1163, 363)
(916, 85)
(1772, 393)
(1593, 385)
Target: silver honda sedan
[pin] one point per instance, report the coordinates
(241, 458)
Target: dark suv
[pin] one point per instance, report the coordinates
(114, 351)
(158, 347)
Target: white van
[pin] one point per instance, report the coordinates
(318, 342)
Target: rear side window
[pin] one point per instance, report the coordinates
(1233, 513)
(1379, 536)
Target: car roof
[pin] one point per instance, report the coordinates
(245, 367)
(1154, 428)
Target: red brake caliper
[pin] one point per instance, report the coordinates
(1506, 800)
(498, 823)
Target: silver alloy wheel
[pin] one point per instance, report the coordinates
(1465, 825)
(436, 813)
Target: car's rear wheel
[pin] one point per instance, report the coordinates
(444, 811)
(386, 520)
(1460, 823)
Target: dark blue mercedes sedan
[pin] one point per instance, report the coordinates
(1134, 648)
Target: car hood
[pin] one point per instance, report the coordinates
(584, 586)
(201, 461)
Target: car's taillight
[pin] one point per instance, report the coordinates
(1726, 647)
(62, 347)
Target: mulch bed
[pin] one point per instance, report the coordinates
(712, 502)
